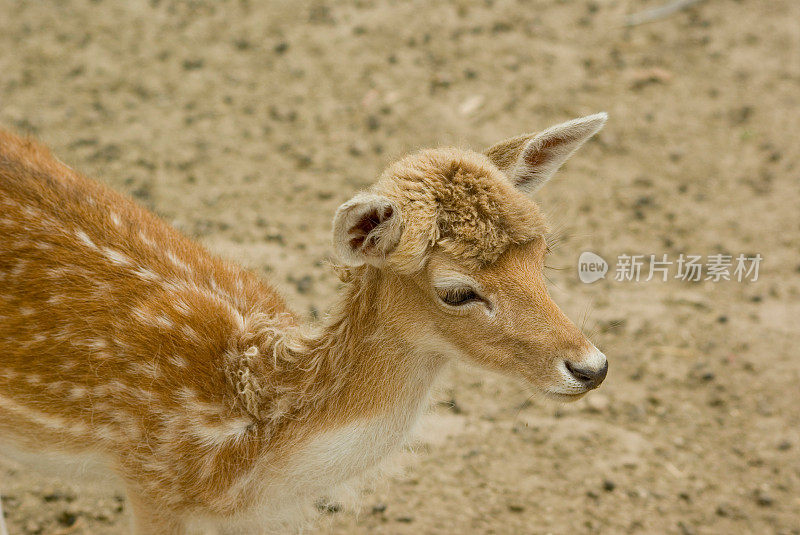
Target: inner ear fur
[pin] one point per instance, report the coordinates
(530, 160)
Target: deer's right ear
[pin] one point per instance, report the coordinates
(366, 229)
(531, 160)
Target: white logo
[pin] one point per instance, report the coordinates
(591, 267)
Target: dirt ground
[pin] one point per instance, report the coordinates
(246, 123)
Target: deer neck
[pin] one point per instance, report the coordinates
(367, 367)
(364, 386)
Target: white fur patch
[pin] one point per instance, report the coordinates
(48, 421)
(85, 239)
(116, 257)
(146, 274)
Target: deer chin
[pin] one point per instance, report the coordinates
(564, 398)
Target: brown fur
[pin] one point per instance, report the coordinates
(457, 200)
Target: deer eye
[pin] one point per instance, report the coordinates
(457, 296)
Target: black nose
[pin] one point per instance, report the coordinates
(588, 377)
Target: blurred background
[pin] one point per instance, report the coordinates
(246, 123)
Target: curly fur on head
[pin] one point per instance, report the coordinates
(460, 201)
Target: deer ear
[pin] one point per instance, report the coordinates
(531, 160)
(366, 229)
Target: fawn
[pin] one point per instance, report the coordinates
(190, 377)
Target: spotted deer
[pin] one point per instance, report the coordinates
(191, 378)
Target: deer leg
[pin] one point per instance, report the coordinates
(3, 529)
(149, 519)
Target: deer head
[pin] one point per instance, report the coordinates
(455, 249)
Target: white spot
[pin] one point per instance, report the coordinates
(45, 420)
(178, 361)
(82, 236)
(115, 218)
(30, 212)
(116, 257)
(177, 262)
(26, 311)
(181, 306)
(163, 321)
(111, 387)
(208, 434)
(190, 333)
(8, 373)
(149, 369)
(157, 320)
(106, 433)
(146, 274)
(77, 392)
(58, 272)
(103, 355)
(97, 343)
(147, 240)
(55, 386)
(19, 268)
(141, 393)
(141, 315)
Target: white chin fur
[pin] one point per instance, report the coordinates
(568, 385)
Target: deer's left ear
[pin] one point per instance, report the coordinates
(531, 160)
(366, 229)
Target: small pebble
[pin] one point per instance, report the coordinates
(724, 509)
(303, 284)
(378, 508)
(67, 518)
(763, 499)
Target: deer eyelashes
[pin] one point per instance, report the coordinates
(455, 297)
(456, 291)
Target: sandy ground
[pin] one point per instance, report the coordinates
(245, 124)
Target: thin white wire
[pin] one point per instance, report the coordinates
(652, 15)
